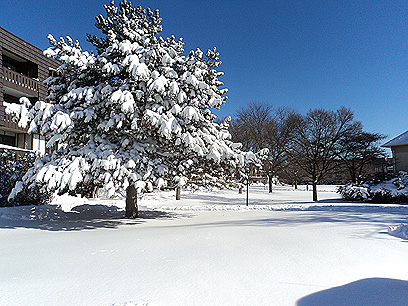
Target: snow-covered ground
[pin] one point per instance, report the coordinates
(207, 249)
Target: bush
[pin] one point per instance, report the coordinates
(351, 192)
(390, 189)
(12, 169)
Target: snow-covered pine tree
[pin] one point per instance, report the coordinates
(136, 114)
(12, 169)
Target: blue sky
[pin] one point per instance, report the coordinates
(299, 54)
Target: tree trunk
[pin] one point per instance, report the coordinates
(247, 191)
(314, 190)
(131, 202)
(240, 190)
(296, 184)
(178, 193)
(353, 175)
(270, 182)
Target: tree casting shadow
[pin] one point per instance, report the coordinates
(82, 217)
(369, 291)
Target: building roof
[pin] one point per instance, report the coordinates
(398, 141)
(15, 37)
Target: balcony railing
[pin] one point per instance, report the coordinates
(9, 123)
(20, 82)
(18, 151)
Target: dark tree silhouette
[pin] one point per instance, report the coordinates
(359, 149)
(314, 149)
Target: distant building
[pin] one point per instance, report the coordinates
(23, 69)
(399, 149)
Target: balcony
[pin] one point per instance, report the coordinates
(18, 151)
(19, 82)
(12, 125)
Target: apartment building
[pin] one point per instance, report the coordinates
(399, 149)
(23, 69)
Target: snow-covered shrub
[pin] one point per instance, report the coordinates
(351, 192)
(12, 170)
(388, 190)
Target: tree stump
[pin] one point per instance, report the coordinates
(131, 202)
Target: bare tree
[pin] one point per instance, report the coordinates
(318, 134)
(279, 136)
(260, 126)
(251, 126)
(360, 149)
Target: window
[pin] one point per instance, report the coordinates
(8, 140)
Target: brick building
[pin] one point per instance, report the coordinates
(23, 69)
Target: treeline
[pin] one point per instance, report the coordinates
(308, 148)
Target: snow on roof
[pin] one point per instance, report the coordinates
(397, 141)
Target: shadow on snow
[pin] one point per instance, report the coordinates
(240, 199)
(82, 217)
(375, 215)
(369, 291)
(85, 217)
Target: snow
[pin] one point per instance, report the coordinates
(400, 230)
(190, 113)
(207, 249)
(395, 189)
(159, 84)
(12, 108)
(60, 121)
(399, 140)
(6, 147)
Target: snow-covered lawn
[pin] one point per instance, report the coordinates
(208, 249)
